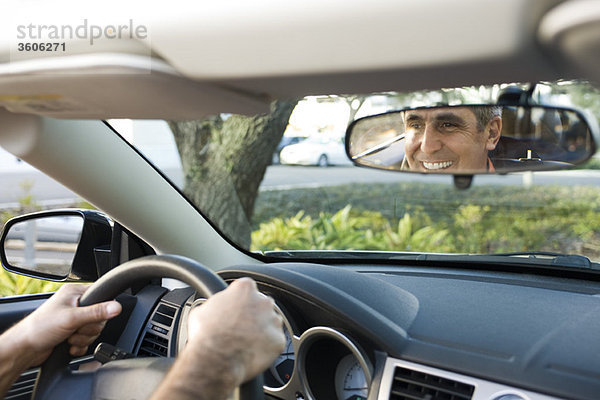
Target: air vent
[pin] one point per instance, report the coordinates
(164, 315)
(22, 389)
(158, 332)
(153, 345)
(414, 385)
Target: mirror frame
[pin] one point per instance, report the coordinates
(96, 234)
(590, 122)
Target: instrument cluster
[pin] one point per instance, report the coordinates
(321, 363)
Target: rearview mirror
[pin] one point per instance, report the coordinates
(471, 139)
(55, 245)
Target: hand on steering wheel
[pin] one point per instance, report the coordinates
(57, 381)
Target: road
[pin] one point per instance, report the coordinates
(46, 191)
(281, 177)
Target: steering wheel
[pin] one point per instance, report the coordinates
(57, 381)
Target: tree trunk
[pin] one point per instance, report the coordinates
(224, 162)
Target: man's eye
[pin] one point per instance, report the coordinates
(448, 125)
(414, 125)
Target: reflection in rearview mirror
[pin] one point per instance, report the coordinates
(44, 245)
(471, 139)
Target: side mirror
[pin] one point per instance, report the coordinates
(471, 139)
(61, 245)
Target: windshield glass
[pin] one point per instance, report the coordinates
(282, 181)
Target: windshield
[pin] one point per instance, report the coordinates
(265, 193)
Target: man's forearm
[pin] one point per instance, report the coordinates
(15, 358)
(200, 375)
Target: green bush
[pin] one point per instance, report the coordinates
(347, 230)
(430, 218)
(12, 284)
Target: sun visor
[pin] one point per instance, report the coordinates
(111, 85)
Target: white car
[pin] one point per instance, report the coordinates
(316, 150)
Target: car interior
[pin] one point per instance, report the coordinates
(359, 323)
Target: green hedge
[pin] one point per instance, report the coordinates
(438, 218)
(13, 284)
(346, 230)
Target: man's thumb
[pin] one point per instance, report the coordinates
(100, 312)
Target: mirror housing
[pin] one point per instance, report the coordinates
(61, 245)
(471, 139)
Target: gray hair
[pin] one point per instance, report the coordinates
(484, 114)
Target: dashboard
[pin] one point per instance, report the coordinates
(383, 332)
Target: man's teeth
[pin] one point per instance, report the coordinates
(437, 165)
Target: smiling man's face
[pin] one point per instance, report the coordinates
(448, 140)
